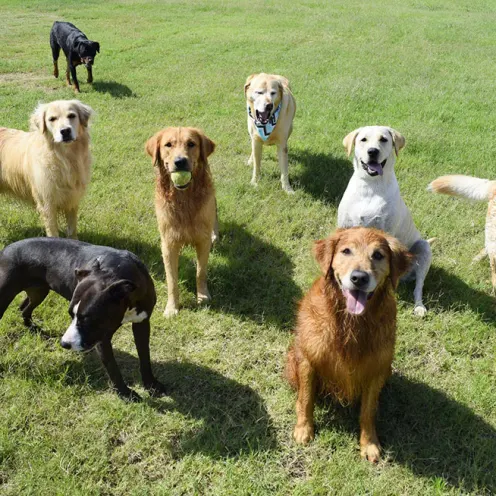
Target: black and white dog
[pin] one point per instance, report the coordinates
(77, 49)
(106, 288)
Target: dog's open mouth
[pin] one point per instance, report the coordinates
(356, 300)
(263, 117)
(374, 168)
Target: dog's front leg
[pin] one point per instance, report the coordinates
(90, 74)
(141, 333)
(106, 354)
(282, 154)
(71, 219)
(370, 448)
(49, 216)
(304, 430)
(72, 70)
(256, 153)
(170, 254)
(202, 253)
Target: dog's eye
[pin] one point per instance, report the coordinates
(273, 93)
(168, 145)
(363, 140)
(71, 116)
(258, 92)
(377, 255)
(191, 144)
(51, 119)
(382, 139)
(346, 251)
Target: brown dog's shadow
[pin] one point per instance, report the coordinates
(323, 175)
(116, 90)
(425, 430)
(448, 292)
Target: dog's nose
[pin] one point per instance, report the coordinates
(181, 163)
(65, 132)
(65, 344)
(373, 152)
(359, 278)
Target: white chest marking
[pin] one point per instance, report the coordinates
(132, 316)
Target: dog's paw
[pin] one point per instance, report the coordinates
(303, 434)
(170, 311)
(254, 182)
(420, 311)
(203, 297)
(156, 389)
(129, 395)
(371, 452)
(289, 190)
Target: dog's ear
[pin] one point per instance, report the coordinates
(84, 112)
(97, 46)
(152, 147)
(248, 82)
(323, 251)
(400, 260)
(81, 274)
(398, 140)
(349, 141)
(207, 147)
(121, 288)
(37, 122)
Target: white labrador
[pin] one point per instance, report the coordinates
(373, 199)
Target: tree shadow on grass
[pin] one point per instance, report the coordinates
(116, 90)
(448, 292)
(324, 176)
(425, 430)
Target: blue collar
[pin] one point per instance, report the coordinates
(265, 130)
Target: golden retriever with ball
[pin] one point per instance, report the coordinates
(50, 165)
(184, 203)
(346, 328)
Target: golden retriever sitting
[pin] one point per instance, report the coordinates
(50, 165)
(184, 203)
(271, 108)
(346, 327)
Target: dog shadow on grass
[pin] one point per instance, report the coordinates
(448, 292)
(431, 434)
(116, 90)
(323, 175)
(247, 276)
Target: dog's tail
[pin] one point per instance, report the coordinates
(465, 186)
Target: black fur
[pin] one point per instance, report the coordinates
(77, 49)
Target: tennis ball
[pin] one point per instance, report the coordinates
(181, 178)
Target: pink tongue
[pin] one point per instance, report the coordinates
(355, 301)
(375, 167)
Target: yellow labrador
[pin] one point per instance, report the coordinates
(50, 165)
(271, 108)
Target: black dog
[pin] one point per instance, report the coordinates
(106, 288)
(77, 48)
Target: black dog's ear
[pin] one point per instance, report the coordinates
(82, 273)
(97, 46)
(122, 288)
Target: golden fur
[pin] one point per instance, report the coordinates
(260, 90)
(336, 352)
(474, 188)
(41, 168)
(185, 217)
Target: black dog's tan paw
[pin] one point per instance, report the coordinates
(157, 389)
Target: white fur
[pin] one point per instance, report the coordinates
(132, 316)
(72, 335)
(347, 284)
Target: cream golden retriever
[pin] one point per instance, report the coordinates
(49, 165)
(271, 108)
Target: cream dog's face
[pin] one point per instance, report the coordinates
(61, 119)
(263, 93)
(375, 147)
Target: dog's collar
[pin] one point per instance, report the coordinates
(265, 130)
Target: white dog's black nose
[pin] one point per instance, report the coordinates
(359, 278)
(373, 152)
(65, 344)
(66, 132)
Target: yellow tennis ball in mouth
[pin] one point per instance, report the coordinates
(181, 179)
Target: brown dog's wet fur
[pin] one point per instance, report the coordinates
(348, 356)
(185, 217)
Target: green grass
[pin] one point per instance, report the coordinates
(425, 67)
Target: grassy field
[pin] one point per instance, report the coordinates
(424, 67)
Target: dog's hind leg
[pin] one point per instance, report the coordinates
(35, 296)
(8, 291)
(480, 256)
(282, 154)
(492, 262)
(423, 257)
(55, 54)
(202, 253)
